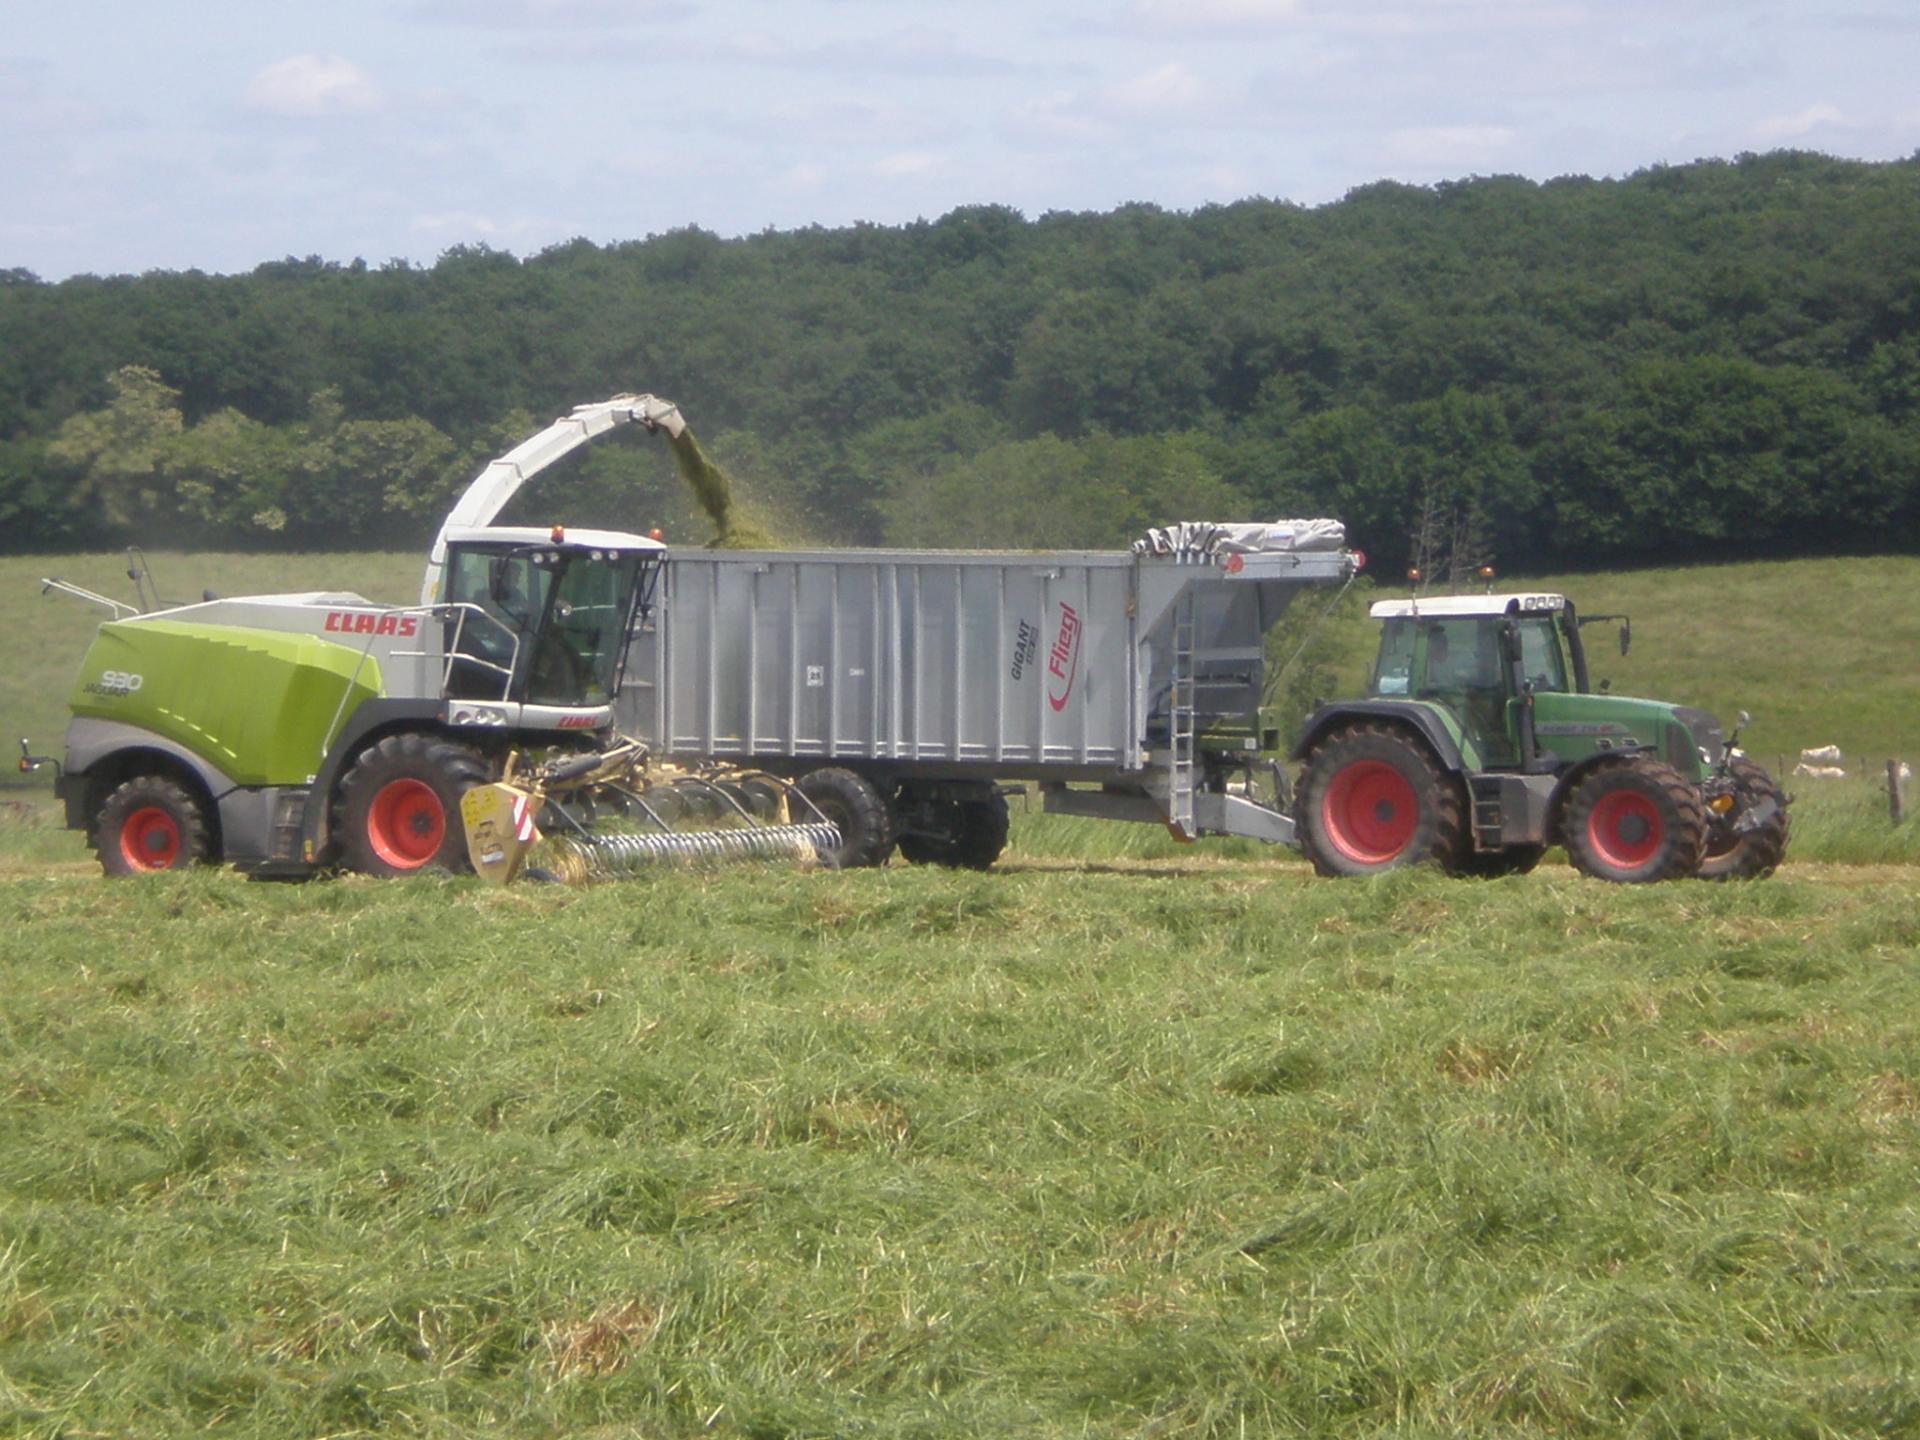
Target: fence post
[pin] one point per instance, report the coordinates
(1894, 798)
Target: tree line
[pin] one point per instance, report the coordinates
(1710, 361)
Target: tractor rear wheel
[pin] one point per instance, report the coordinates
(1371, 798)
(399, 807)
(851, 803)
(1634, 820)
(1759, 851)
(977, 835)
(150, 823)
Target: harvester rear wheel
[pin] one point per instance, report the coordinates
(399, 807)
(150, 823)
(1758, 852)
(1371, 798)
(1634, 820)
(851, 803)
(977, 837)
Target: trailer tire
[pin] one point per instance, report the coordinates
(978, 837)
(399, 807)
(1371, 798)
(852, 803)
(148, 824)
(1634, 821)
(1757, 853)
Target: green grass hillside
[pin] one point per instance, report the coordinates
(1820, 651)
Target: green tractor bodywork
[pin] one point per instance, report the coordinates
(1481, 742)
(286, 732)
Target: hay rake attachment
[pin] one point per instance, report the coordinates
(741, 815)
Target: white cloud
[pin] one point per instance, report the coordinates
(575, 15)
(1792, 127)
(801, 178)
(1214, 14)
(906, 166)
(307, 85)
(454, 222)
(1056, 119)
(1451, 147)
(1172, 86)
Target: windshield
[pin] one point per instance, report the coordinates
(555, 619)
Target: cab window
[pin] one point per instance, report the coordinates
(1542, 660)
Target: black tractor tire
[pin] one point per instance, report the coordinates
(151, 823)
(1634, 821)
(1372, 798)
(398, 811)
(1757, 853)
(978, 836)
(1492, 864)
(851, 802)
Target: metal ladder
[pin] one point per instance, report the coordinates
(1180, 699)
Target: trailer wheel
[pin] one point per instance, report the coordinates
(975, 839)
(852, 804)
(150, 823)
(1633, 821)
(399, 807)
(1371, 799)
(1757, 853)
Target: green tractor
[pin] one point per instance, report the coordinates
(1481, 743)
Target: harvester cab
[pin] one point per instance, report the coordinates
(1481, 741)
(534, 618)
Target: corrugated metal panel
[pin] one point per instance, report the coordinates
(1022, 661)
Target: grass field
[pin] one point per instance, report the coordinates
(1120, 1139)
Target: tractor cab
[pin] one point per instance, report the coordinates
(1483, 659)
(541, 618)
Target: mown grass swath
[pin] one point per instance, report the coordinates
(1189, 1146)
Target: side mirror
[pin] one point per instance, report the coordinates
(1626, 635)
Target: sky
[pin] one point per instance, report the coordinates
(212, 135)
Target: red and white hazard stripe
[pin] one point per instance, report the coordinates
(523, 821)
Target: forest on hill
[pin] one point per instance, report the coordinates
(1710, 361)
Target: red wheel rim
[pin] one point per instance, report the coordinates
(406, 824)
(1369, 812)
(150, 839)
(1624, 830)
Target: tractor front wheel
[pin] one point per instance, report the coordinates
(150, 823)
(1758, 852)
(1633, 821)
(1371, 798)
(399, 807)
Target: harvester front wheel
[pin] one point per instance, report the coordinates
(399, 809)
(857, 809)
(1371, 798)
(1634, 820)
(1758, 852)
(150, 823)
